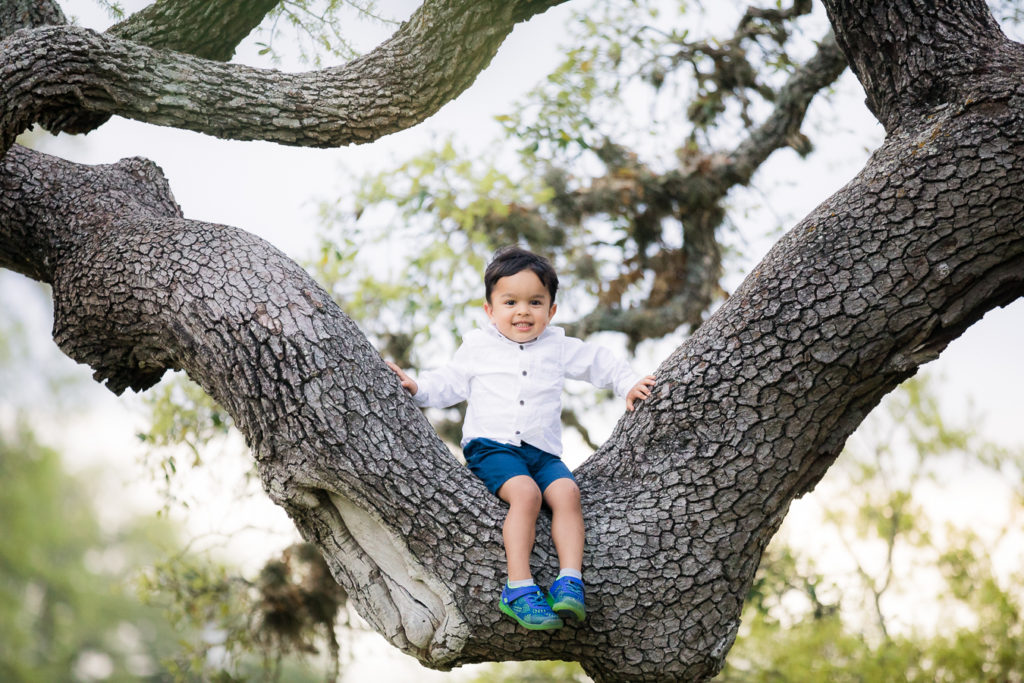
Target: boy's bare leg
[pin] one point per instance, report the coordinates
(520, 528)
(563, 497)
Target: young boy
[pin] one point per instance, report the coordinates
(512, 375)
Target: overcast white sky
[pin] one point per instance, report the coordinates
(272, 191)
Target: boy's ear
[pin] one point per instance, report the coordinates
(487, 309)
(551, 313)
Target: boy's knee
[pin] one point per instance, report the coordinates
(562, 492)
(521, 491)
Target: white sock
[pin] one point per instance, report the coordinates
(574, 573)
(521, 583)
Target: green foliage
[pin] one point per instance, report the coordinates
(239, 629)
(114, 9)
(875, 620)
(590, 174)
(270, 627)
(638, 69)
(65, 613)
(182, 418)
(81, 600)
(596, 185)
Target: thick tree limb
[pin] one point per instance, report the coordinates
(205, 29)
(910, 57)
(17, 14)
(211, 29)
(432, 58)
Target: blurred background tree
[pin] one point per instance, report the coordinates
(90, 595)
(627, 167)
(67, 607)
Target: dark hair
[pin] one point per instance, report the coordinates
(511, 260)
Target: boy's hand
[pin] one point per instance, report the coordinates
(406, 380)
(639, 392)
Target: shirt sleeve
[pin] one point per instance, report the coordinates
(599, 366)
(444, 386)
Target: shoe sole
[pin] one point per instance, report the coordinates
(564, 611)
(533, 627)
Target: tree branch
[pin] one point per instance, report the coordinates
(783, 125)
(430, 60)
(211, 29)
(916, 55)
(697, 190)
(205, 29)
(17, 14)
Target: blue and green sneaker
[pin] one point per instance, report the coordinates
(566, 597)
(529, 608)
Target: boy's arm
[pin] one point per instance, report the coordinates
(603, 368)
(439, 388)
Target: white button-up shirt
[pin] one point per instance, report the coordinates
(515, 389)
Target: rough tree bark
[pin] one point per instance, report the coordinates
(680, 502)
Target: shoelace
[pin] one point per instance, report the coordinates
(535, 601)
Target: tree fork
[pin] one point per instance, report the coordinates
(680, 502)
(911, 56)
(748, 414)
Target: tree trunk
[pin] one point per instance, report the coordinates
(680, 502)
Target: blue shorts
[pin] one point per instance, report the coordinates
(495, 463)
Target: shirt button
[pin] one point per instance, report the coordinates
(522, 348)
(522, 403)
(518, 432)
(524, 373)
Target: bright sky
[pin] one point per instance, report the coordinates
(272, 191)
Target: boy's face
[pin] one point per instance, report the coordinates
(520, 306)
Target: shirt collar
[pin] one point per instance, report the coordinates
(549, 331)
